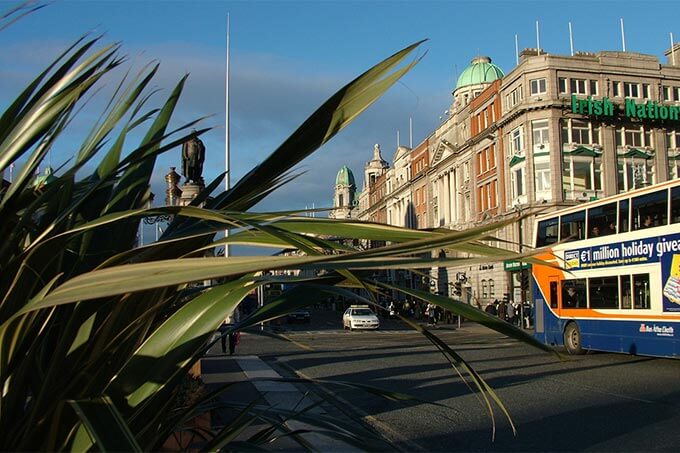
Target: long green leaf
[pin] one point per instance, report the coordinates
(105, 424)
(137, 381)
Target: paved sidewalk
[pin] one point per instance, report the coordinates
(251, 374)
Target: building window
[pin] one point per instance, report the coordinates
(485, 290)
(593, 88)
(578, 86)
(486, 160)
(562, 85)
(645, 91)
(516, 141)
(673, 151)
(540, 134)
(492, 288)
(538, 86)
(670, 93)
(616, 89)
(582, 176)
(517, 181)
(631, 90)
(631, 136)
(666, 94)
(542, 178)
(579, 132)
(634, 173)
(514, 97)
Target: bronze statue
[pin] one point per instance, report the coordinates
(193, 155)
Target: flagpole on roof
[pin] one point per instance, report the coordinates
(672, 49)
(623, 36)
(227, 157)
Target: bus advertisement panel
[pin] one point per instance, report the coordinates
(659, 249)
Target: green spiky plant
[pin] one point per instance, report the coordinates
(95, 333)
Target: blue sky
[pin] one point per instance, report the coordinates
(287, 57)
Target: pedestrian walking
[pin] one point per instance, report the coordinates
(502, 310)
(223, 329)
(510, 313)
(431, 315)
(234, 340)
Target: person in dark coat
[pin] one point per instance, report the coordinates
(234, 340)
(502, 313)
(223, 338)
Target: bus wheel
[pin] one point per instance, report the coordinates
(572, 339)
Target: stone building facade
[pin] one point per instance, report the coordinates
(553, 132)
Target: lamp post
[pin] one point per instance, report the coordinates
(520, 274)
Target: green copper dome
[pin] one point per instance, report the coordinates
(480, 71)
(44, 179)
(345, 177)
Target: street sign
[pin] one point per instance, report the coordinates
(513, 266)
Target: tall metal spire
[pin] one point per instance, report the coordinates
(227, 157)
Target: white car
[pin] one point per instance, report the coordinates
(360, 317)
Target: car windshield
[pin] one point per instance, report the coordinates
(362, 312)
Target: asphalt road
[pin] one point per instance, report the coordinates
(595, 402)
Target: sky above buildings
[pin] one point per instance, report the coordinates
(287, 57)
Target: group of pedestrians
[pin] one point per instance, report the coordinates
(512, 312)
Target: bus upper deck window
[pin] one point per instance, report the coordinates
(547, 232)
(572, 226)
(623, 216)
(602, 220)
(675, 204)
(650, 210)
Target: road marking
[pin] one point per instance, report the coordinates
(297, 343)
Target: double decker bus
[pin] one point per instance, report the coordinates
(615, 284)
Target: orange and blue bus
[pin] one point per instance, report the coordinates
(614, 283)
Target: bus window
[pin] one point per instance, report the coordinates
(641, 291)
(650, 210)
(574, 293)
(603, 292)
(572, 226)
(602, 220)
(623, 216)
(553, 294)
(675, 204)
(547, 232)
(625, 291)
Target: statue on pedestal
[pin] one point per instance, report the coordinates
(193, 155)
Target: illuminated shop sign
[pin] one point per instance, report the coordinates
(651, 110)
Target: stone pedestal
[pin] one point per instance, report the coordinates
(190, 191)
